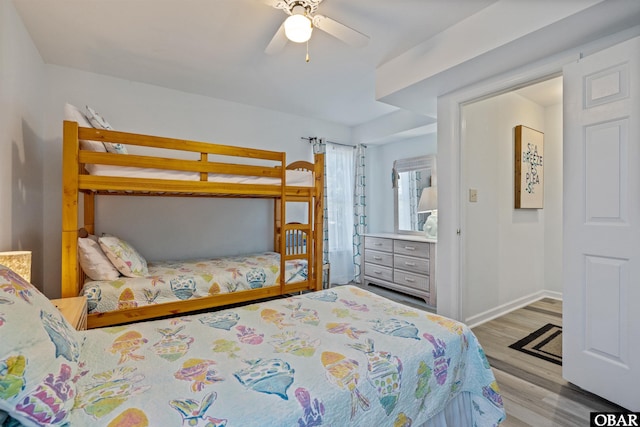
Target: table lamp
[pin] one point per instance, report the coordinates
(18, 261)
(429, 203)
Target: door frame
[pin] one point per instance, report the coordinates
(451, 195)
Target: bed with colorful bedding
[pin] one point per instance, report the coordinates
(337, 357)
(168, 281)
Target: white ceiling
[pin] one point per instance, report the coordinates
(546, 93)
(216, 48)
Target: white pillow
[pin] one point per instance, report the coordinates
(72, 114)
(98, 122)
(93, 260)
(124, 256)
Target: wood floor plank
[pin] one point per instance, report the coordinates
(536, 406)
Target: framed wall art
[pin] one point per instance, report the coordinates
(529, 168)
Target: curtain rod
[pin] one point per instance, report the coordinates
(312, 139)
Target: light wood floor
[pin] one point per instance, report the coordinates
(533, 390)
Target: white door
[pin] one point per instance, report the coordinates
(601, 320)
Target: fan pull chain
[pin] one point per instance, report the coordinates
(307, 58)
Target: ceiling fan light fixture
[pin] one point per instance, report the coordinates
(298, 28)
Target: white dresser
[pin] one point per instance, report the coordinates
(405, 263)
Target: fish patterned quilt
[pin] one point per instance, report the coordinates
(338, 357)
(181, 280)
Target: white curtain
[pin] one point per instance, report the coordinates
(319, 146)
(340, 178)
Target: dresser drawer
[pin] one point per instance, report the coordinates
(378, 272)
(378, 244)
(417, 249)
(412, 264)
(380, 258)
(416, 281)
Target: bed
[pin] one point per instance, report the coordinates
(341, 356)
(183, 280)
(181, 168)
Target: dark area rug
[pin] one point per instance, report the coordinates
(545, 343)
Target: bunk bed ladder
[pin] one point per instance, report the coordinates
(302, 241)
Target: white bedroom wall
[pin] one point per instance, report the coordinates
(380, 160)
(21, 122)
(171, 228)
(510, 253)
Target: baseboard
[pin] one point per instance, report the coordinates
(552, 295)
(503, 309)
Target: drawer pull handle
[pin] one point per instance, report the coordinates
(409, 279)
(377, 272)
(410, 248)
(410, 264)
(377, 244)
(377, 258)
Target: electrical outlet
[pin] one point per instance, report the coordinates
(473, 195)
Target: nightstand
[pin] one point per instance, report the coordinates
(73, 309)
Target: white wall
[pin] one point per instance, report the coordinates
(380, 158)
(21, 113)
(509, 253)
(553, 199)
(165, 228)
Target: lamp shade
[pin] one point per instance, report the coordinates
(18, 261)
(428, 200)
(298, 28)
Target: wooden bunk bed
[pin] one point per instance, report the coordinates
(206, 176)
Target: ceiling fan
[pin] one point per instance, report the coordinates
(301, 22)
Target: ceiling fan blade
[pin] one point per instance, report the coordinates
(340, 31)
(277, 43)
(272, 3)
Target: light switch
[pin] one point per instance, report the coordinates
(473, 195)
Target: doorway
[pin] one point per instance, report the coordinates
(510, 257)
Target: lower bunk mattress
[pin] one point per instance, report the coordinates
(170, 281)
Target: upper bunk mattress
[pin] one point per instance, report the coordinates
(170, 281)
(295, 178)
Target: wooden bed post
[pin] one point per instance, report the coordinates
(70, 147)
(283, 220)
(318, 213)
(277, 224)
